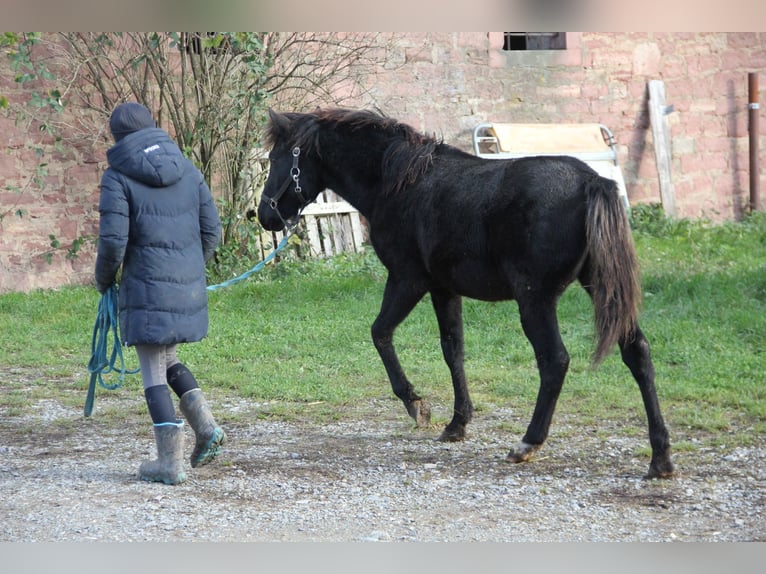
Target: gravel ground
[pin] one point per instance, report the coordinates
(369, 475)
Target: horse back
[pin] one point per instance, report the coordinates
(489, 229)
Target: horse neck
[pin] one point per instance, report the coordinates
(352, 169)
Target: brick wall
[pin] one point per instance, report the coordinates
(64, 206)
(447, 83)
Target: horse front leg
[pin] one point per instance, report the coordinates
(538, 319)
(637, 356)
(399, 299)
(449, 314)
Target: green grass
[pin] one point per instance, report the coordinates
(300, 333)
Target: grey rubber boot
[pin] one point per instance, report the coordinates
(209, 436)
(169, 466)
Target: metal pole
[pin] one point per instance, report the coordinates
(753, 112)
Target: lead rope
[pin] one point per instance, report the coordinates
(258, 266)
(107, 321)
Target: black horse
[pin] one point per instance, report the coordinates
(451, 224)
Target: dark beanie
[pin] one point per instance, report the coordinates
(128, 118)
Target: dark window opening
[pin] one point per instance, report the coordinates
(519, 41)
(210, 42)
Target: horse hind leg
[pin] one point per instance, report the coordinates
(538, 319)
(398, 301)
(637, 356)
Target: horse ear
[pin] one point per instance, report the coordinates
(279, 122)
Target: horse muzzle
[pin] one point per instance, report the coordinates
(269, 217)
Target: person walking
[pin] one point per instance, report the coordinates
(159, 224)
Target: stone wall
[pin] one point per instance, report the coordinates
(449, 83)
(49, 192)
(62, 206)
(446, 84)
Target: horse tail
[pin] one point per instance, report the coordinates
(613, 281)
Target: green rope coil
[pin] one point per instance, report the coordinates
(107, 321)
(101, 361)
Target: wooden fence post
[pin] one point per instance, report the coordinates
(658, 112)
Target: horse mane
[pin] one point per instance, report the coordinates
(408, 153)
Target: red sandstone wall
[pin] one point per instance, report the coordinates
(66, 207)
(447, 83)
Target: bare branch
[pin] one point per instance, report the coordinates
(211, 90)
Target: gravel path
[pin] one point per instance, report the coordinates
(370, 476)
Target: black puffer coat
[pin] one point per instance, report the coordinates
(159, 221)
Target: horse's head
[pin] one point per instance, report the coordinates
(293, 180)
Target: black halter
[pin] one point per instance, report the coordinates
(295, 173)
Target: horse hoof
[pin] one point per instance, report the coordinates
(420, 412)
(660, 469)
(522, 453)
(452, 435)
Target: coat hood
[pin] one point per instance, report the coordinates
(128, 118)
(148, 155)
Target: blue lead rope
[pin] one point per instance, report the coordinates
(107, 322)
(258, 267)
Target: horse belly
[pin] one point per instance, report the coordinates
(477, 281)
